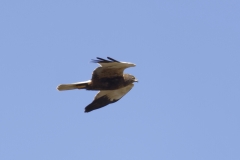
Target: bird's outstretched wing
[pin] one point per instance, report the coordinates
(109, 68)
(106, 97)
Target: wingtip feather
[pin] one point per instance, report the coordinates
(102, 60)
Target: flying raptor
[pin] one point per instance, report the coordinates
(109, 79)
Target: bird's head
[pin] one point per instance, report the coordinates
(130, 78)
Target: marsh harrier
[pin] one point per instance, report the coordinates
(109, 79)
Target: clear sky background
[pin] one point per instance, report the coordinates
(186, 105)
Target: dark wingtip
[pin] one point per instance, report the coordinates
(87, 110)
(112, 59)
(101, 60)
(94, 61)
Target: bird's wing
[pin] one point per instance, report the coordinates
(105, 97)
(110, 68)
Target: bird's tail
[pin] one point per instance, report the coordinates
(78, 85)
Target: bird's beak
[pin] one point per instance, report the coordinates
(135, 80)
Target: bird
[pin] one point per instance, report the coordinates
(109, 79)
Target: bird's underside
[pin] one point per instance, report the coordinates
(109, 79)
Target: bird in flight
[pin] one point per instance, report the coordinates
(109, 79)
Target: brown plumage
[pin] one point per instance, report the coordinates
(109, 79)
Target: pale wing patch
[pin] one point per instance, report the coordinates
(100, 94)
(114, 94)
(112, 62)
(104, 98)
(117, 65)
(110, 67)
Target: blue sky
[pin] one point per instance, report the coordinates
(186, 105)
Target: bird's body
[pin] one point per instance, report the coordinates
(109, 79)
(111, 83)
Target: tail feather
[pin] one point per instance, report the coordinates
(78, 85)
